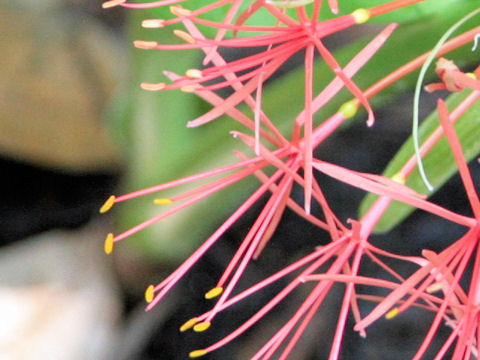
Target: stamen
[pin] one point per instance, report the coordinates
(194, 73)
(197, 353)
(399, 178)
(471, 75)
(112, 3)
(361, 16)
(147, 45)
(149, 293)
(202, 326)
(213, 293)
(107, 205)
(153, 23)
(189, 324)
(434, 287)
(392, 313)
(152, 87)
(190, 88)
(162, 201)
(108, 245)
(180, 11)
(184, 36)
(288, 3)
(348, 109)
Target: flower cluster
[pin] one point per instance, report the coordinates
(279, 161)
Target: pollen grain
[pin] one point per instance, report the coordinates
(202, 326)
(162, 201)
(109, 244)
(361, 16)
(112, 3)
(149, 293)
(392, 313)
(197, 353)
(213, 293)
(107, 205)
(188, 324)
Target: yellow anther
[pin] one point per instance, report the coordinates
(142, 44)
(180, 11)
(162, 201)
(152, 87)
(153, 23)
(190, 88)
(348, 109)
(392, 313)
(213, 293)
(149, 293)
(184, 36)
(194, 73)
(471, 75)
(434, 287)
(399, 178)
(107, 205)
(112, 3)
(197, 353)
(202, 326)
(189, 324)
(108, 245)
(361, 16)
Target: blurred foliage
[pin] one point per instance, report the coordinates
(58, 70)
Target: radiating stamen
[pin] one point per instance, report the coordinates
(189, 324)
(162, 201)
(213, 293)
(194, 73)
(149, 294)
(180, 11)
(392, 313)
(152, 87)
(107, 205)
(361, 16)
(184, 36)
(142, 44)
(202, 326)
(153, 23)
(109, 244)
(112, 3)
(197, 353)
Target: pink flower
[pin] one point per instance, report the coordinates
(286, 158)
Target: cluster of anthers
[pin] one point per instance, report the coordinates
(298, 28)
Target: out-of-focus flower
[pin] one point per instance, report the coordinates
(453, 79)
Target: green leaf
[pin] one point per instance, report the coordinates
(439, 163)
